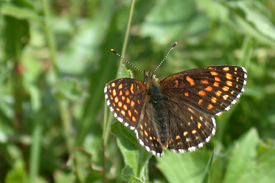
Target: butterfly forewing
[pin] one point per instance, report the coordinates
(211, 90)
(125, 98)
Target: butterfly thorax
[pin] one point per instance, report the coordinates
(157, 107)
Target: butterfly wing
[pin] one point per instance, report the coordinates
(190, 129)
(194, 97)
(211, 90)
(125, 98)
(147, 132)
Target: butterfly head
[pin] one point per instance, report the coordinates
(148, 75)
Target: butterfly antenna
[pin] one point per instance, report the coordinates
(112, 50)
(175, 43)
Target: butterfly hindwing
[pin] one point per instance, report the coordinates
(147, 132)
(190, 129)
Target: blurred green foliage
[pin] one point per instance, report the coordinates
(55, 60)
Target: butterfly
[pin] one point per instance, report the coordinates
(176, 113)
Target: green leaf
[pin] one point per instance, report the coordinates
(126, 136)
(242, 159)
(128, 175)
(17, 174)
(257, 19)
(68, 89)
(187, 168)
(168, 20)
(208, 168)
(22, 13)
(265, 171)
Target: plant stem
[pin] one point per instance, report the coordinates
(126, 37)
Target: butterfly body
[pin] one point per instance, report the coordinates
(177, 112)
(156, 101)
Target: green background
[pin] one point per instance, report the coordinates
(55, 60)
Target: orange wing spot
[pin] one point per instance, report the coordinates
(114, 92)
(122, 97)
(210, 106)
(135, 111)
(138, 101)
(116, 100)
(236, 68)
(213, 73)
(232, 92)
(186, 94)
(237, 86)
(141, 127)
(111, 97)
(218, 93)
(109, 87)
(145, 124)
(134, 119)
(226, 69)
(208, 88)
(125, 107)
(138, 88)
(117, 109)
(194, 131)
(204, 82)
(113, 84)
(119, 104)
(176, 83)
(123, 113)
(120, 86)
(132, 88)
(225, 88)
(150, 138)
(214, 100)
(229, 76)
(132, 104)
(128, 100)
(202, 93)
(217, 79)
(199, 125)
(190, 80)
(177, 137)
(216, 84)
(200, 101)
(127, 92)
(171, 141)
(129, 113)
(145, 133)
(201, 118)
(229, 83)
(225, 97)
(120, 92)
(185, 133)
